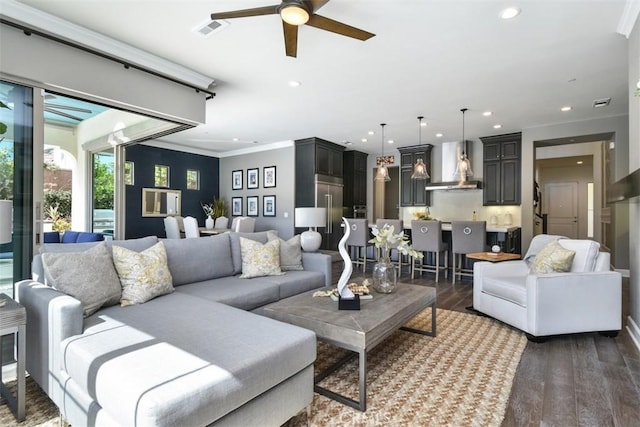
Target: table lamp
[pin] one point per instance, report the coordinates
(310, 240)
(6, 207)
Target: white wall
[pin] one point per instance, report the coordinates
(284, 161)
(634, 164)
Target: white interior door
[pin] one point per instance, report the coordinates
(561, 201)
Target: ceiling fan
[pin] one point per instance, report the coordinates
(295, 13)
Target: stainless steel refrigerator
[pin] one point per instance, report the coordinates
(329, 195)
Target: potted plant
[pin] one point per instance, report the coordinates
(384, 272)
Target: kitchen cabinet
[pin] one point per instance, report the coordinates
(321, 156)
(412, 192)
(355, 180)
(501, 169)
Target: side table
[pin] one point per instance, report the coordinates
(491, 257)
(13, 320)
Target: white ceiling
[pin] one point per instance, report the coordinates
(428, 58)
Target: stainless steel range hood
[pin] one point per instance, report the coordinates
(625, 189)
(450, 178)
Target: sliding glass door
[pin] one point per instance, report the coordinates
(16, 184)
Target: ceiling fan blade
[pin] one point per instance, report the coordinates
(314, 5)
(290, 39)
(266, 10)
(68, 107)
(60, 113)
(327, 24)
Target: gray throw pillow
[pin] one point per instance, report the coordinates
(290, 252)
(88, 276)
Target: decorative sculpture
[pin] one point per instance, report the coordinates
(344, 293)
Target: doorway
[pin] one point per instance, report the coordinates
(561, 199)
(386, 196)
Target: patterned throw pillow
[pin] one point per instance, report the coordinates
(552, 258)
(143, 275)
(87, 276)
(260, 259)
(290, 252)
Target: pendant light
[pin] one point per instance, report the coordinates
(420, 169)
(383, 171)
(463, 168)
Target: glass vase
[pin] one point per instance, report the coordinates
(384, 276)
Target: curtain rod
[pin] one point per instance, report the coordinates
(30, 31)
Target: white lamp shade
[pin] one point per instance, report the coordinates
(6, 208)
(311, 217)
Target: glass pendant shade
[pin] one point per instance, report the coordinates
(294, 14)
(383, 173)
(419, 170)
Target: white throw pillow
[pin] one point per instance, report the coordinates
(260, 259)
(290, 252)
(87, 276)
(143, 275)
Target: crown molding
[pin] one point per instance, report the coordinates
(45, 23)
(629, 17)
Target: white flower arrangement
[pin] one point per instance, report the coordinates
(385, 239)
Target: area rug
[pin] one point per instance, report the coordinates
(463, 376)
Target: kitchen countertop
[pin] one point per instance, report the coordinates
(490, 228)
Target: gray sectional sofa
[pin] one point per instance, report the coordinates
(197, 356)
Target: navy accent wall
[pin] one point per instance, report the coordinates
(144, 159)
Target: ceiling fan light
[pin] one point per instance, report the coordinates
(420, 170)
(294, 14)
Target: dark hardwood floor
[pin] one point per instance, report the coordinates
(569, 380)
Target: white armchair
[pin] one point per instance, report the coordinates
(585, 299)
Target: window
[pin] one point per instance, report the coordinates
(161, 176)
(193, 179)
(128, 173)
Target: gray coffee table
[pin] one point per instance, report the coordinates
(357, 331)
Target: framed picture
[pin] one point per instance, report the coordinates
(236, 206)
(128, 173)
(269, 176)
(252, 178)
(252, 205)
(193, 179)
(236, 180)
(268, 205)
(161, 176)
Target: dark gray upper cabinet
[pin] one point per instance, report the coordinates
(412, 192)
(501, 169)
(355, 180)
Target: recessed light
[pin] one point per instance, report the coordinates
(510, 12)
(579, 162)
(487, 113)
(371, 132)
(567, 108)
(497, 126)
(348, 142)
(294, 83)
(439, 135)
(391, 141)
(364, 140)
(235, 139)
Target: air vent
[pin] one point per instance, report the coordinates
(209, 27)
(604, 102)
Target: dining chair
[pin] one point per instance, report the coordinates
(171, 229)
(191, 227)
(221, 222)
(466, 237)
(426, 236)
(246, 225)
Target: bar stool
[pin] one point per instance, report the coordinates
(426, 236)
(359, 239)
(398, 226)
(466, 237)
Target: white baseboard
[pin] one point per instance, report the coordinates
(634, 332)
